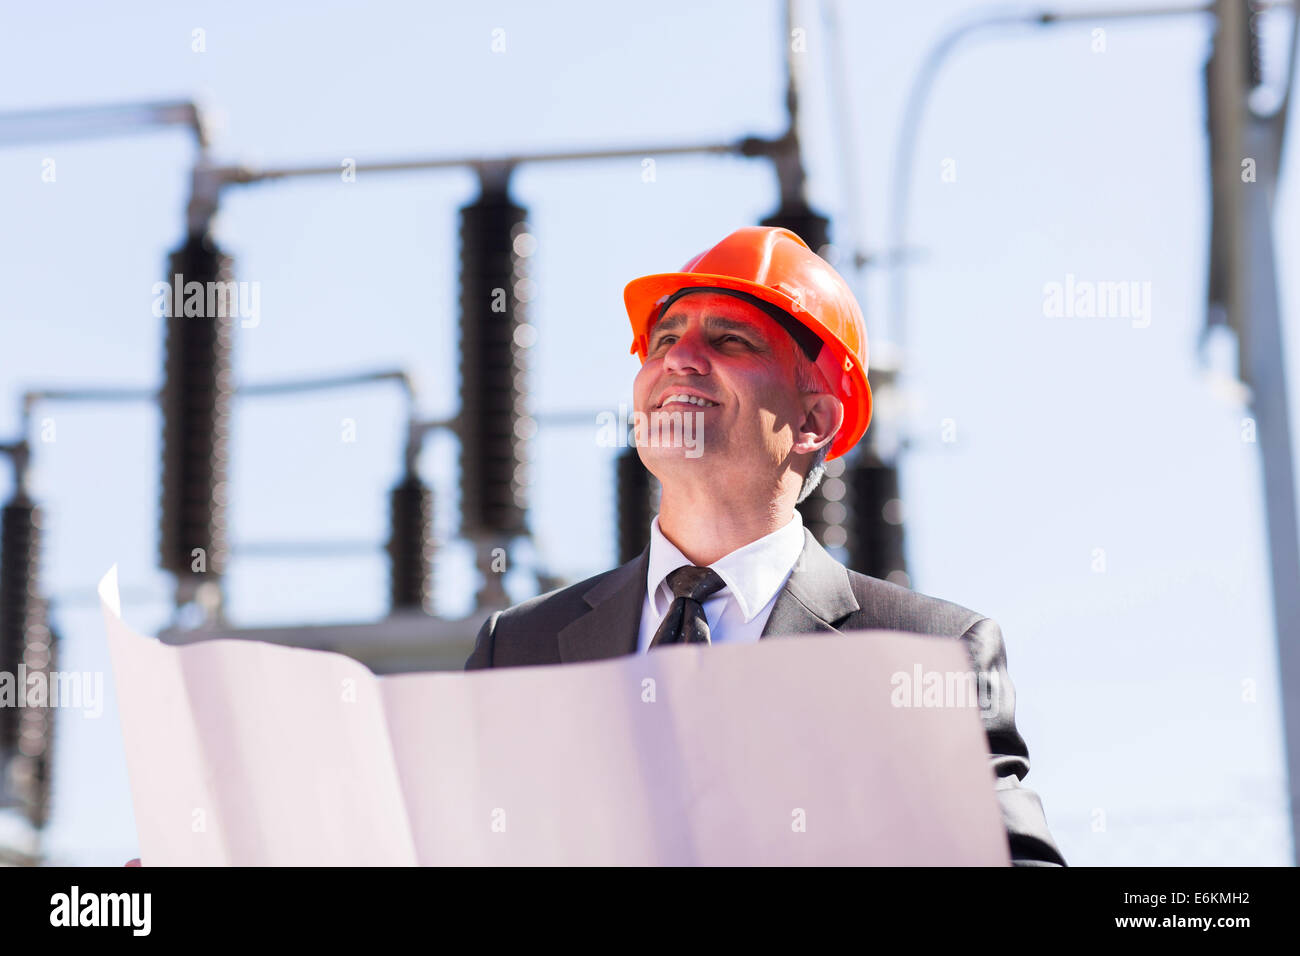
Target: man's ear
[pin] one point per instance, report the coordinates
(823, 416)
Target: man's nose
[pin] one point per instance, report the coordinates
(689, 352)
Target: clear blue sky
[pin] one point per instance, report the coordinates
(1073, 434)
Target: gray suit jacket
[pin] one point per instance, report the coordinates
(600, 618)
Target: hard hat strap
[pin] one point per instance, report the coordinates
(807, 340)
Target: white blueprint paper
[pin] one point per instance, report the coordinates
(788, 751)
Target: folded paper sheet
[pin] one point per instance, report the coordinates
(789, 751)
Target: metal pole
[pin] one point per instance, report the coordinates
(245, 174)
(20, 127)
(1267, 365)
(1250, 296)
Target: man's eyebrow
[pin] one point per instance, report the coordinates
(671, 322)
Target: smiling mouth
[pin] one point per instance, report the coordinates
(689, 400)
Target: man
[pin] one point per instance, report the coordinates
(760, 345)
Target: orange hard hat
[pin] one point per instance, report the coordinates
(774, 269)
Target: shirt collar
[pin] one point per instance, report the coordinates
(753, 573)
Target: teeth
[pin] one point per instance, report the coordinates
(691, 399)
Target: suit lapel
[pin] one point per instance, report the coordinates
(816, 594)
(613, 624)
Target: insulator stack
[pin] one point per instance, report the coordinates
(876, 545)
(811, 227)
(635, 499)
(494, 335)
(823, 511)
(34, 760)
(410, 546)
(21, 611)
(196, 397)
(26, 651)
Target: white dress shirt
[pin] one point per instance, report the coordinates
(754, 576)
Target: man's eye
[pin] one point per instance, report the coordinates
(668, 338)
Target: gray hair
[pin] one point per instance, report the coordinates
(808, 378)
